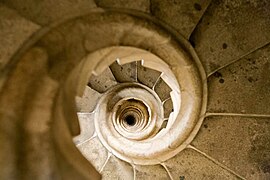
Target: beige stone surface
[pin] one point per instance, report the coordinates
(168, 107)
(162, 89)
(240, 143)
(231, 36)
(103, 81)
(94, 152)
(46, 12)
(151, 172)
(16, 112)
(87, 128)
(242, 87)
(147, 76)
(117, 169)
(181, 15)
(14, 31)
(139, 5)
(88, 101)
(229, 30)
(190, 164)
(124, 73)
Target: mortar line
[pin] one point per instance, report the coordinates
(238, 115)
(238, 59)
(136, 71)
(159, 77)
(216, 162)
(105, 163)
(92, 137)
(167, 170)
(198, 22)
(166, 100)
(134, 171)
(86, 113)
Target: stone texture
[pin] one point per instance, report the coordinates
(14, 30)
(139, 5)
(25, 119)
(234, 29)
(242, 144)
(87, 127)
(29, 146)
(242, 87)
(147, 76)
(230, 29)
(94, 152)
(124, 73)
(189, 164)
(88, 101)
(151, 172)
(70, 160)
(162, 89)
(102, 82)
(117, 169)
(37, 146)
(168, 108)
(46, 12)
(182, 15)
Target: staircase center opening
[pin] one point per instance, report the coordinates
(132, 115)
(130, 120)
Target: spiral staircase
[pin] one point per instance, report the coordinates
(143, 89)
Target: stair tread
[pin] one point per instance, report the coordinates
(183, 16)
(228, 30)
(189, 164)
(240, 143)
(102, 82)
(242, 87)
(88, 101)
(151, 172)
(117, 169)
(87, 127)
(168, 108)
(162, 90)
(94, 152)
(124, 73)
(147, 76)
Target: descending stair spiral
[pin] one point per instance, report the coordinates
(137, 90)
(141, 114)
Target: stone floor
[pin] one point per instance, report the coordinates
(232, 40)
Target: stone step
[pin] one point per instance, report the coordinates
(230, 30)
